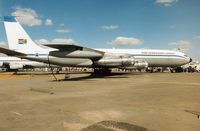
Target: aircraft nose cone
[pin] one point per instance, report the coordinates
(190, 59)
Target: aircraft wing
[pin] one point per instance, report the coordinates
(10, 52)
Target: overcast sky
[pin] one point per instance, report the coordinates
(149, 24)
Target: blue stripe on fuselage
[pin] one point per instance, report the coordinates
(37, 54)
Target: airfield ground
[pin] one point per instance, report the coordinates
(152, 101)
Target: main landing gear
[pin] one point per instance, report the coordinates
(102, 71)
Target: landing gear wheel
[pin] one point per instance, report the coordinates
(102, 71)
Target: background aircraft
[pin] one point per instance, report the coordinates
(14, 63)
(22, 46)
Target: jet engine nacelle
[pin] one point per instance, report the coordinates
(15, 66)
(115, 62)
(139, 64)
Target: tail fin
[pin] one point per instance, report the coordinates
(18, 39)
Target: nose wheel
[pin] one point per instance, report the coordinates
(190, 59)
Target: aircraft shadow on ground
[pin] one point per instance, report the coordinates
(35, 73)
(90, 76)
(95, 76)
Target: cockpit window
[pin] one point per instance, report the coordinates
(185, 55)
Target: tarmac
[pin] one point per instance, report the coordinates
(121, 102)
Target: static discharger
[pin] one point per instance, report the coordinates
(194, 112)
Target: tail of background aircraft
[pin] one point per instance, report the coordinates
(18, 39)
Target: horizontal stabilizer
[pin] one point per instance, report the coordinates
(68, 47)
(63, 46)
(10, 52)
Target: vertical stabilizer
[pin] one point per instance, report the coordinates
(18, 39)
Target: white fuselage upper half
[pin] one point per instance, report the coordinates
(154, 58)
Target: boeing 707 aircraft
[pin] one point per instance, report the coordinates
(22, 46)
